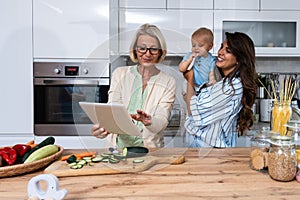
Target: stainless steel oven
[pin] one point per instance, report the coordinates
(58, 87)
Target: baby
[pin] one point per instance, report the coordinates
(200, 60)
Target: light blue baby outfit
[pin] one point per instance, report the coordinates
(202, 67)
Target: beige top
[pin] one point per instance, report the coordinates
(158, 103)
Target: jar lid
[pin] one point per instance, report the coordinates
(282, 140)
(261, 136)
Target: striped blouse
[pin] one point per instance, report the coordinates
(215, 113)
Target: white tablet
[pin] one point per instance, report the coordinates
(113, 117)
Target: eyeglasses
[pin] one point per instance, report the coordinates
(144, 50)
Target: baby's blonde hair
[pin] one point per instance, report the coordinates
(204, 32)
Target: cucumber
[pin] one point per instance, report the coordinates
(47, 141)
(43, 152)
(133, 152)
(72, 159)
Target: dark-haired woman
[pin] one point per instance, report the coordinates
(222, 111)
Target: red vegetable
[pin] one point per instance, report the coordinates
(21, 149)
(298, 176)
(9, 155)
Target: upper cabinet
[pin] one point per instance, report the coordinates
(236, 5)
(273, 25)
(177, 26)
(273, 32)
(71, 29)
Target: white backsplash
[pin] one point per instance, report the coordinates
(278, 64)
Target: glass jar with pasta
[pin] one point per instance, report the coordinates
(280, 115)
(282, 110)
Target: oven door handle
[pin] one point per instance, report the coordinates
(71, 82)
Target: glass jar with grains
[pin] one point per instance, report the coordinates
(259, 150)
(282, 164)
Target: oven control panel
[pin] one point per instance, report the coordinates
(69, 69)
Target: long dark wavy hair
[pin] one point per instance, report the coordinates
(242, 47)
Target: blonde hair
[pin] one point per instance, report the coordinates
(153, 31)
(204, 32)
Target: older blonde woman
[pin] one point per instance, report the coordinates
(147, 92)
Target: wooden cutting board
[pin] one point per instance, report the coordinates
(60, 168)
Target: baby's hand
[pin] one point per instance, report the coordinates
(193, 55)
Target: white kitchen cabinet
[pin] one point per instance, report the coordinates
(142, 3)
(177, 26)
(274, 32)
(280, 5)
(16, 82)
(236, 5)
(190, 4)
(71, 29)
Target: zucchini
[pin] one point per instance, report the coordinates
(133, 152)
(49, 140)
(43, 152)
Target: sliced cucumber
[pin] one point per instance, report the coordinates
(113, 160)
(138, 161)
(79, 166)
(106, 155)
(81, 162)
(119, 156)
(72, 164)
(87, 158)
(97, 159)
(105, 160)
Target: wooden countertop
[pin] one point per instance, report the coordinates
(206, 174)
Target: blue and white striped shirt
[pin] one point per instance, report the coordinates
(215, 113)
